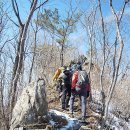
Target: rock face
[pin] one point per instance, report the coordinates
(31, 105)
(62, 121)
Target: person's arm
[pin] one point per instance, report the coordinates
(74, 80)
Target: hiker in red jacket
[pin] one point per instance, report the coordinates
(81, 87)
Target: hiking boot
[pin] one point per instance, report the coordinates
(67, 106)
(71, 114)
(67, 109)
(63, 107)
(81, 119)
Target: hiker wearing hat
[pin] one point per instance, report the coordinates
(66, 88)
(63, 78)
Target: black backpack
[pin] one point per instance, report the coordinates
(66, 79)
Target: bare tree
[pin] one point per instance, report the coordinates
(2, 84)
(116, 60)
(3, 65)
(60, 27)
(35, 30)
(104, 61)
(23, 27)
(89, 25)
(3, 23)
(121, 43)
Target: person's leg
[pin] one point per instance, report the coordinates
(68, 96)
(63, 98)
(83, 105)
(72, 102)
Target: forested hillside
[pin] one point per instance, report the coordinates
(39, 36)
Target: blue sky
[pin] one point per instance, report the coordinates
(79, 37)
(63, 5)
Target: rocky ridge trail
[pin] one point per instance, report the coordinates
(38, 108)
(91, 119)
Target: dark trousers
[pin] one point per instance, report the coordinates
(66, 93)
(59, 86)
(83, 102)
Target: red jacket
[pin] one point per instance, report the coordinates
(75, 79)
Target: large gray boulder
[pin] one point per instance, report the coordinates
(31, 105)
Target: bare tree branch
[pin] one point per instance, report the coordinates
(16, 11)
(41, 4)
(8, 40)
(12, 21)
(9, 17)
(121, 43)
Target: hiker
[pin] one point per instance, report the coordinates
(58, 79)
(81, 87)
(58, 72)
(66, 88)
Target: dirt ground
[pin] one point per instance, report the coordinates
(54, 103)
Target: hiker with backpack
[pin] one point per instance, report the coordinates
(66, 88)
(58, 72)
(81, 87)
(57, 78)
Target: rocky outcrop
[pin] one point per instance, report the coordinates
(31, 107)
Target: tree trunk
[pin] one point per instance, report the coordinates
(19, 58)
(33, 59)
(121, 42)
(62, 55)
(2, 106)
(103, 66)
